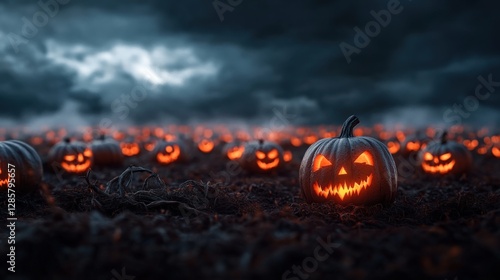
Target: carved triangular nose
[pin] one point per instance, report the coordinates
(342, 171)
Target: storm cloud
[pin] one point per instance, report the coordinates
(176, 61)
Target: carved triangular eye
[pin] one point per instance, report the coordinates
(273, 154)
(365, 158)
(319, 162)
(260, 155)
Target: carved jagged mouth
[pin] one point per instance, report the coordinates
(76, 168)
(442, 168)
(266, 166)
(342, 190)
(4, 182)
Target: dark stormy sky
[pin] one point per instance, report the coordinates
(160, 61)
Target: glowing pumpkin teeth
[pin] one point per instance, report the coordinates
(342, 190)
(442, 168)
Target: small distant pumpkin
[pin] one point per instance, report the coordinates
(287, 156)
(24, 162)
(262, 156)
(348, 170)
(495, 150)
(233, 150)
(445, 157)
(106, 152)
(413, 144)
(130, 147)
(73, 156)
(206, 145)
(168, 152)
(393, 145)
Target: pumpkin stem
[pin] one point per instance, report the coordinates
(67, 140)
(348, 127)
(261, 141)
(444, 137)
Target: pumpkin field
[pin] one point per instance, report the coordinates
(215, 201)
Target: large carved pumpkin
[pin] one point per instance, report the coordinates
(73, 157)
(19, 159)
(262, 156)
(348, 170)
(445, 157)
(106, 152)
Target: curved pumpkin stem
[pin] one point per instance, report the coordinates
(444, 137)
(67, 140)
(348, 127)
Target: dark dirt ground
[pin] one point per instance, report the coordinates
(245, 226)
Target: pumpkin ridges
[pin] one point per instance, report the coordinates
(29, 170)
(379, 185)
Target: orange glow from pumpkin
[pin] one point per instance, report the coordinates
(495, 151)
(393, 147)
(235, 152)
(172, 154)
(77, 163)
(401, 136)
(319, 162)
(295, 141)
(130, 149)
(273, 154)
(37, 140)
(226, 138)
(206, 146)
(364, 158)
(310, 139)
(482, 150)
(287, 156)
(149, 147)
(5, 181)
(343, 190)
(441, 168)
(471, 144)
(413, 146)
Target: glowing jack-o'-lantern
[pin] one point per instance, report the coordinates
(471, 144)
(233, 150)
(73, 157)
(413, 144)
(348, 170)
(206, 145)
(130, 148)
(393, 145)
(167, 152)
(295, 141)
(149, 145)
(495, 150)
(445, 157)
(21, 160)
(261, 156)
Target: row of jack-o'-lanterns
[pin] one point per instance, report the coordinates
(486, 146)
(78, 157)
(207, 138)
(347, 169)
